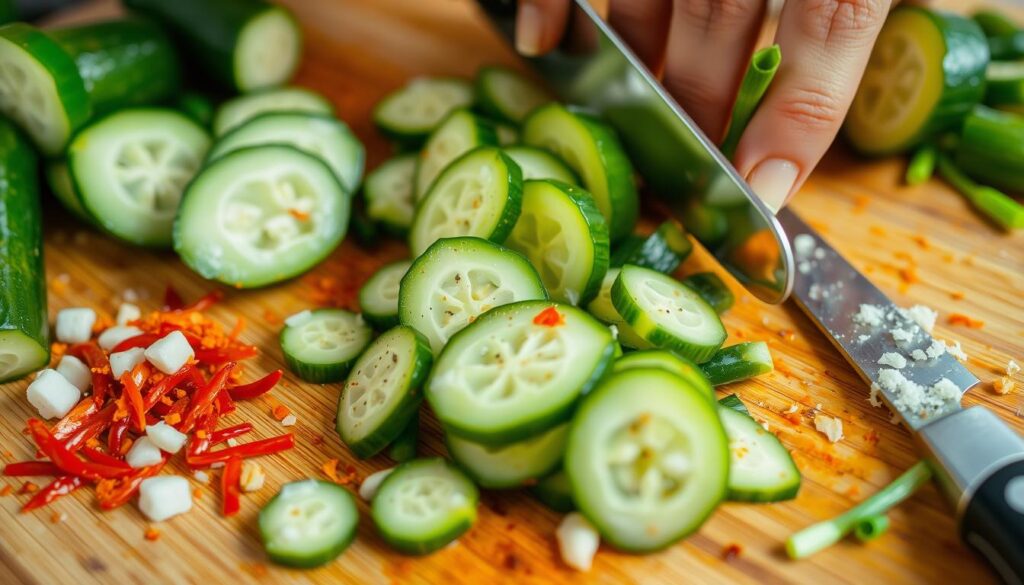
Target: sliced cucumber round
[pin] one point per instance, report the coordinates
(308, 523)
(664, 250)
(540, 164)
(760, 468)
(381, 395)
(268, 50)
(518, 370)
(480, 194)
(511, 465)
(555, 492)
(459, 133)
(389, 193)
(378, 297)
(458, 279)
(320, 346)
(261, 215)
(563, 234)
(63, 188)
(423, 505)
(241, 109)
(738, 362)
(667, 314)
(592, 150)
(507, 95)
(411, 113)
(323, 136)
(670, 362)
(647, 458)
(602, 308)
(40, 87)
(131, 167)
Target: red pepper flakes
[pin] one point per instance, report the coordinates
(961, 319)
(330, 469)
(6, 490)
(549, 317)
(787, 334)
(56, 518)
(909, 275)
(172, 418)
(957, 295)
(197, 494)
(731, 552)
(152, 534)
(922, 242)
(272, 317)
(860, 203)
(28, 488)
(876, 230)
(280, 411)
(792, 418)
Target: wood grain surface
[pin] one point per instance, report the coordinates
(357, 51)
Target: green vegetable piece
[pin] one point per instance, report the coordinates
(403, 448)
(738, 362)
(760, 73)
(711, 288)
(733, 401)
(993, 203)
(664, 250)
(871, 527)
(995, 23)
(1006, 47)
(922, 165)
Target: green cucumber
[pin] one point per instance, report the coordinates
(308, 523)
(738, 362)
(411, 113)
(760, 468)
(507, 95)
(320, 346)
(664, 250)
(388, 191)
(991, 148)
(711, 288)
(540, 164)
(510, 465)
(994, 23)
(460, 132)
(1006, 48)
(555, 492)
(1004, 86)
(24, 329)
(198, 106)
(406, 444)
(58, 177)
(602, 308)
(670, 362)
(378, 297)
(563, 234)
(241, 109)
(243, 44)
(925, 74)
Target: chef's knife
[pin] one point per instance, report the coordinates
(977, 458)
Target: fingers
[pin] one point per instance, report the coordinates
(644, 25)
(825, 48)
(710, 43)
(540, 25)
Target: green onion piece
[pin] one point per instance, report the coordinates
(763, 66)
(922, 165)
(994, 23)
(824, 534)
(995, 204)
(871, 527)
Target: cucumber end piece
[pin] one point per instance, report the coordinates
(20, 355)
(268, 51)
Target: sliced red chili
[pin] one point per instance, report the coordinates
(98, 456)
(161, 388)
(65, 459)
(141, 340)
(31, 469)
(257, 388)
(253, 449)
(203, 399)
(229, 489)
(115, 492)
(98, 363)
(115, 437)
(206, 301)
(202, 439)
(225, 405)
(90, 428)
(222, 435)
(61, 486)
(75, 419)
(221, 355)
(549, 317)
(172, 300)
(133, 396)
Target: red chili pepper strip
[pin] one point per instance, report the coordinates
(141, 340)
(172, 300)
(225, 405)
(133, 396)
(549, 317)
(97, 361)
(229, 489)
(115, 438)
(197, 379)
(98, 456)
(204, 397)
(92, 427)
(222, 435)
(201, 441)
(253, 449)
(116, 492)
(66, 460)
(224, 354)
(75, 419)
(31, 469)
(257, 388)
(161, 388)
(61, 486)
(206, 301)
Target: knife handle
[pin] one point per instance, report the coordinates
(993, 522)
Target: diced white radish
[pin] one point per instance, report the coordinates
(170, 353)
(52, 394)
(75, 372)
(143, 453)
(165, 496)
(124, 361)
(75, 325)
(127, 313)
(577, 541)
(252, 477)
(111, 336)
(299, 319)
(289, 421)
(371, 484)
(166, 437)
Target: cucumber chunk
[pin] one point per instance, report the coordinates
(378, 297)
(480, 194)
(241, 109)
(563, 234)
(406, 444)
(647, 458)
(411, 113)
(555, 492)
(388, 191)
(711, 288)
(198, 106)
(991, 148)
(667, 313)
(670, 362)
(1004, 86)
(458, 279)
(507, 95)
(510, 465)
(63, 188)
(261, 215)
(517, 371)
(381, 394)
(738, 362)
(760, 468)
(540, 164)
(131, 167)
(308, 523)
(664, 250)
(320, 346)
(602, 308)
(423, 505)
(459, 133)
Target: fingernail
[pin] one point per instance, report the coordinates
(772, 180)
(528, 29)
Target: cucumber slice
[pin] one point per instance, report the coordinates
(423, 505)
(563, 234)
(602, 308)
(308, 523)
(458, 279)
(41, 89)
(1004, 86)
(389, 193)
(411, 113)
(480, 194)
(241, 109)
(381, 394)
(711, 288)
(925, 74)
(378, 297)
(507, 95)
(320, 346)
(592, 150)
(511, 465)
(670, 362)
(994, 23)
(647, 458)
(321, 135)
(261, 215)
(555, 492)
(1007, 47)
(459, 133)
(517, 371)
(198, 106)
(738, 362)
(991, 148)
(131, 167)
(540, 164)
(667, 313)
(406, 444)
(59, 178)
(760, 468)
(664, 250)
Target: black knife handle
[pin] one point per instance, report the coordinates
(993, 521)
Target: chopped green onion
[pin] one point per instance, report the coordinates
(922, 165)
(824, 534)
(763, 66)
(871, 527)
(995, 204)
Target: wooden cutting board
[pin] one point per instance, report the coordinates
(357, 51)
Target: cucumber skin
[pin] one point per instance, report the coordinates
(654, 251)
(730, 364)
(711, 288)
(22, 274)
(404, 447)
(122, 62)
(555, 492)
(325, 556)
(762, 495)
(991, 148)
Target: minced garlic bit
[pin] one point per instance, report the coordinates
(899, 335)
(201, 477)
(956, 351)
(831, 427)
(909, 396)
(893, 359)
(792, 408)
(869, 316)
(1012, 368)
(1003, 385)
(924, 316)
(289, 420)
(919, 355)
(578, 541)
(252, 476)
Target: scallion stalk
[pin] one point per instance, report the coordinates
(871, 527)
(758, 77)
(995, 204)
(922, 165)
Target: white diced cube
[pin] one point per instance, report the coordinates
(112, 336)
(143, 453)
(124, 361)
(75, 372)
(170, 353)
(165, 496)
(52, 394)
(127, 313)
(75, 325)
(166, 437)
